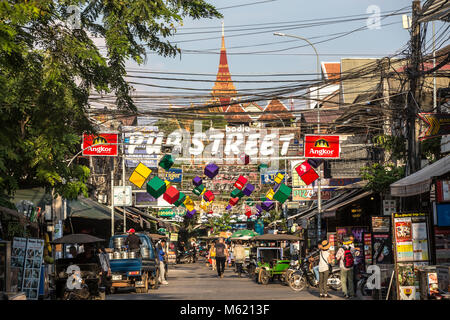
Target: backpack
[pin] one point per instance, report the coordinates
(348, 259)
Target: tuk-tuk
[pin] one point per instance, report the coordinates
(271, 260)
(78, 278)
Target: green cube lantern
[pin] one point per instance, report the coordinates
(180, 200)
(262, 167)
(249, 202)
(167, 162)
(283, 193)
(199, 189)
(156, 187)
(237, 193)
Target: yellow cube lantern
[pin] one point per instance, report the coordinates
(279, 178)
(143, 170)
(188, 203)
(167, 183)
(269, 195)
(139, 175)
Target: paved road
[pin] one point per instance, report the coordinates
(198, 282)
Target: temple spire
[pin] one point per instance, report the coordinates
(223, 89)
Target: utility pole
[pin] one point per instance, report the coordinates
(413, 159)
(112, 201)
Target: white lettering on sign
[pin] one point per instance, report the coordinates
(321, 152)
(100, 149)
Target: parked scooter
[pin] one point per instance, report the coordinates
(186, 256)
(302, 277)
(361, 287)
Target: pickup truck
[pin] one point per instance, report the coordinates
(141, 273)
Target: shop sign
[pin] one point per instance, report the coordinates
(381, 224)
(322, 146)
(174, 237)
(443, 190)
(438, 124)
(173, 175)
(268, 177)
(98, 145)
(123, 196)
(144, 199)
(307, 194)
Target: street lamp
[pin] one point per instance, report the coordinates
(319, 196)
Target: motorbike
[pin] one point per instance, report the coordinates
(299, 277)
(361, 287)
(186, 256)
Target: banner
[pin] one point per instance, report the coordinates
(322, 146)
(142, 144)
(381, 224)
(94, 145)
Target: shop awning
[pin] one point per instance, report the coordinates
(346, 202)
(420, 181)
(326, 204)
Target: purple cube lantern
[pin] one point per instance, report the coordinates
(268, 205)
(248, 189)
(211, 170)
(197, 181)
(190, 214)
(228, 207)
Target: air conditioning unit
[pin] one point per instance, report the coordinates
(102, 198)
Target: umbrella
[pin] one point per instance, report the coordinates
(244, 233)
(78, 238)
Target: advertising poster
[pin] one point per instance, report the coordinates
(403, 232)
(420, 243)
(322, 146)
(368, 248)
(382, 248)
(27, 255)
(18, 257)
(381, 224)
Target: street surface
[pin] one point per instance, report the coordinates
(198, 282)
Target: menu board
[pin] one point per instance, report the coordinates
(27, 255)
(412, 251)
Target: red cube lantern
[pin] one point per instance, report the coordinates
(233, 201)
(309, 177)
(240, 182)
(171, 195)
(208, 196)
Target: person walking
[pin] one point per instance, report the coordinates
(212, 255)
(345, 256)
(105, 274)
(162, 262)
(324, 269)
(239, 257)
(221, 257)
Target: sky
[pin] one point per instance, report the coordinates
(265, 18)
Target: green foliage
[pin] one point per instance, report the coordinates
(47, 72)
(380, 177)
(219, 224)
(392, 144)
(431, 149)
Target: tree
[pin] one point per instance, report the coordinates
(48, 70)
(380, 176)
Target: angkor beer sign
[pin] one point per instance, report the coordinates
(99, 145)
(322, 146)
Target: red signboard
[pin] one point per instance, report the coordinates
(99, 144)
(322, 146)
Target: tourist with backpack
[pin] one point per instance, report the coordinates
(345, 256)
